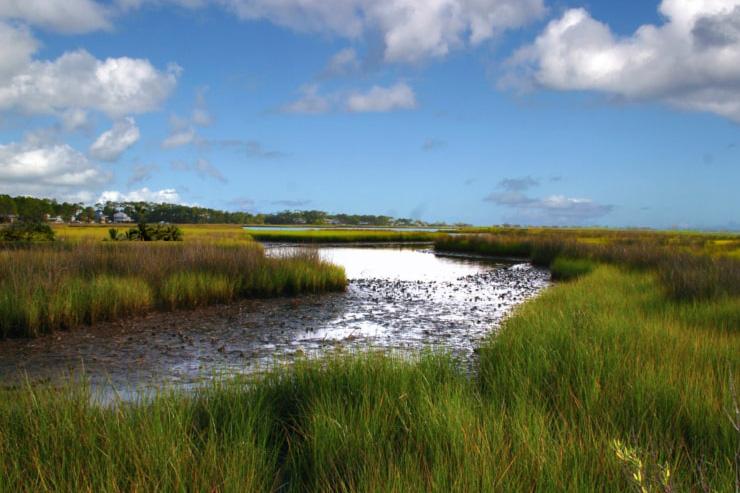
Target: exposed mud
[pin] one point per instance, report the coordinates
(402, 299)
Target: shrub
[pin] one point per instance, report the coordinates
(151, 232)
(27, 231)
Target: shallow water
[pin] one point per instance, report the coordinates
(398, 298)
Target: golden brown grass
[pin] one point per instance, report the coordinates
(57, 286)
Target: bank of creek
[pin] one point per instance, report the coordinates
(398, 298)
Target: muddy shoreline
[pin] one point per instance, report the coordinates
(398, 299)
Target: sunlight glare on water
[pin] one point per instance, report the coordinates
(401, 264)
(398, 298)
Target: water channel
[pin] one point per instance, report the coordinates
(398, 298)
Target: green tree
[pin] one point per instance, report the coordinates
(32, 210)
(7, 205)
(27, 231)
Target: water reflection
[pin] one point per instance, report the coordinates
(398, 298)
(399, 262)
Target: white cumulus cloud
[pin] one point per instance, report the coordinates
(115, 86)
(66, 16)
(411, 30)
(76, 80)
(691, 61)
(17, 44)
(167, 195)
(112, 143)
(47, 169)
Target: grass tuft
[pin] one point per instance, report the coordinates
(566, 269)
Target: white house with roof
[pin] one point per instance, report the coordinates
(122, 217)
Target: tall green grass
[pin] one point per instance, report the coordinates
(707, 242)
(485, 245)
(565, 269)
(685, 273)
(610, 357)
(49, 287)
(607, 357)
(197, 289)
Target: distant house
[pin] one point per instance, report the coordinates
(8, 218)
(122, 217)
(53, 219)
(100, 217)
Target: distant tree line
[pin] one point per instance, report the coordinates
(31, 209)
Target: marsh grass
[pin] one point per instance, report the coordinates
(59, 286)
(685, 272)
(197, 289)
(606, 358)
(191, 232)
(566, 269)
(622, 370)
(624, 362)
(344, 236)
(104, 297)
(706, 242)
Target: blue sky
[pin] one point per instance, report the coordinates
(489, 111)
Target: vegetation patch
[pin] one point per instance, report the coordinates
(585, 386)
(148, 232)
(23, 231)
(688, 270)
(344, 236)
(61, 285)
(39, 209)
(565, 269)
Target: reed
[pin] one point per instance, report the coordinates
(605, 359)
(686, 272)
(611, 357)
(197, 289)
(566, 269)
(59, 286)
(632, 367)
